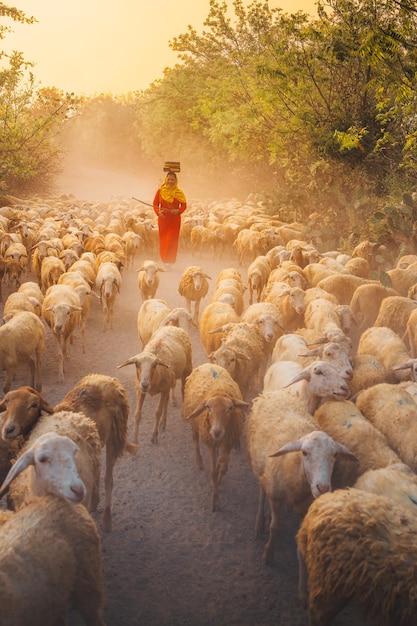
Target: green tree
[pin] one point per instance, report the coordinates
(31, 119)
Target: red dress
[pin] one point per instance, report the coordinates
(169, 226)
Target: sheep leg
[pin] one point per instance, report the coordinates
(302, 580)
(108, 488)
(196, 311)
(214, 477)
(161, 412)
(268, 555)
(32, 370)
(9, 379)
(196, 442)
(260, 516)
(140, 399)
(38, 370)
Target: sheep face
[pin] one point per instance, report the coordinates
(23, 408)
(53, 458)
(318, 456)
(324, 381)
(269, 327)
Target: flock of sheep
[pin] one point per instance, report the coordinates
(310, 368)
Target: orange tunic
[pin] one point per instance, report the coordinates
(169, 226)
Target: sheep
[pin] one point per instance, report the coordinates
(61, 311)
(367, 371)
(344, 422)
(378, 568)
(167, 356)
(17, 302)
(358, 267)
(342, 286)
(393, 412)
(33, 291)
(50, 559)
(291, 347)
(277, 425)
(85, 294)
(51, 269)
(242, 354)
(18, 252)
(13, 271)
(366, 301)
(402, 280)
(317, 381)
(214, 316)
(51, 468)
(213, 406)
(24, 416)
(104, 400)
(230, 290)
(384, 344)
(410, 334)
(315, 272)
(290, 305)
(108, 283)
(154, 313)
(257, 274)
(148, 279)
(193, 286)
(394, 313)
(22, 342)
(397, 480)
(266, 317)
(322, 316)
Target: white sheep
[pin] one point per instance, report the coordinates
(167, 356)
(310, 384)
(213, 406)
(51, 468)
(278, 426)
(344, 422)
(108, 283)
(393, 412)
(148, 279)
(290, 305)
(61, 310)
(193, 286)
(22, 342)
(154, 313)
(32, 425)
(50, 560)
(377, 568)
(384, 344)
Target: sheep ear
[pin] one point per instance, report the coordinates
(216, 330)
(341, 449)
(319, 342)
(293, 446)
(315, 352)
(304, 375)
(201, 407)
(131, 361)
(159, 362)
(206, 276)
(240, 404)
(26, 459)
(403, 366)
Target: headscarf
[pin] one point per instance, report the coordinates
(170, 193)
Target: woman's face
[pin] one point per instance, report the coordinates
(171, 180)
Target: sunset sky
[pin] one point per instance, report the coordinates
(107, 46)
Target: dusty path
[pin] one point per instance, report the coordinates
(169, 561)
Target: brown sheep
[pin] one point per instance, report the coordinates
(214, 407)
(193, 286)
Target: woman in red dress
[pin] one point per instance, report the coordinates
(168, 204)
